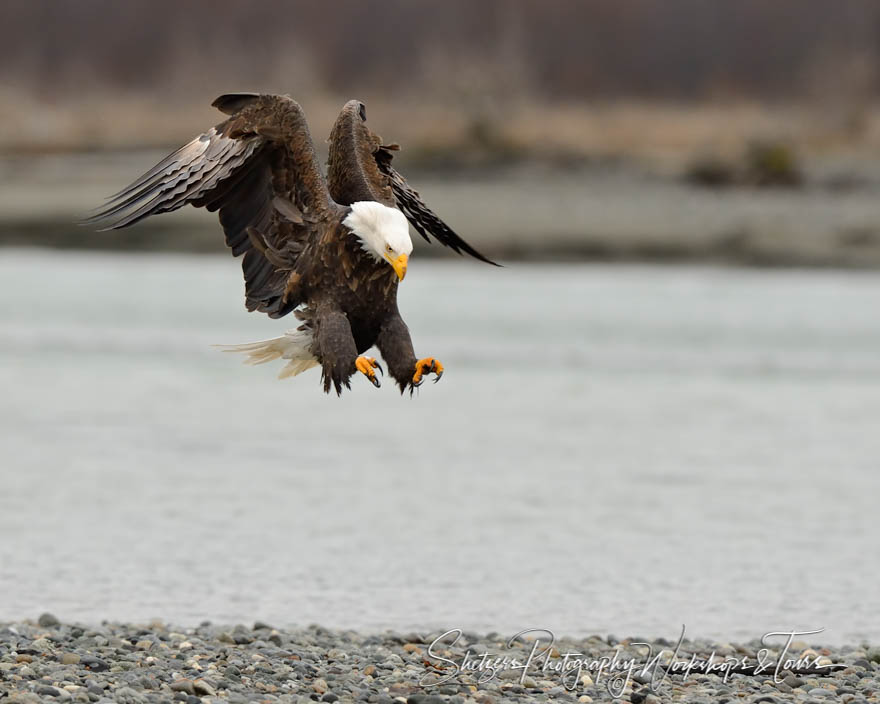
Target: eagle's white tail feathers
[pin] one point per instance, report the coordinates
(294, 345)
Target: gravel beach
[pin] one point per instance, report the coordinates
(45, 660)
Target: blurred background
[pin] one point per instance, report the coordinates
(731, 130)
(616, 446)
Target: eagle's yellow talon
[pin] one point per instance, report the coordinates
(366, 365)
(424, 366)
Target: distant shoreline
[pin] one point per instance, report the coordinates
(530, 212)
(174, 240)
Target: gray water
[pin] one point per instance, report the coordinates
(613, 449)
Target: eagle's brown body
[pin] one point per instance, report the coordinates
(259, 170)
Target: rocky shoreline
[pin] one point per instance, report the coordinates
(46, 660)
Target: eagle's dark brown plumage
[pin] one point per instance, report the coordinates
(294, 228)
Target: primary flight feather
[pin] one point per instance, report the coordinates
(332, 250)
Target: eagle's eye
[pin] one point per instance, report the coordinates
(389, 248)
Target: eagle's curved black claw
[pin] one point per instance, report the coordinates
(428, 365)
(379, 367)
(367, 367)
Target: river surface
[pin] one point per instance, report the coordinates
(613, 449)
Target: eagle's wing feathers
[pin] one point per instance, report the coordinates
(231, 103)
(195, 169)
(259, 169)
(422, 218)
(359, 168)
(353, 173)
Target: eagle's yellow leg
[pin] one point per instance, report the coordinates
(366, 366)
(428, 365)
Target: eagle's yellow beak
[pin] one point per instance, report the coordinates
(399, 265)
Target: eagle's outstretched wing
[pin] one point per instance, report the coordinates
(359, 168)
(259, 169)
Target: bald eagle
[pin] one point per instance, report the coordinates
(331, 250)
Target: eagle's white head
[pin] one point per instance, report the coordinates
(383, 232)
